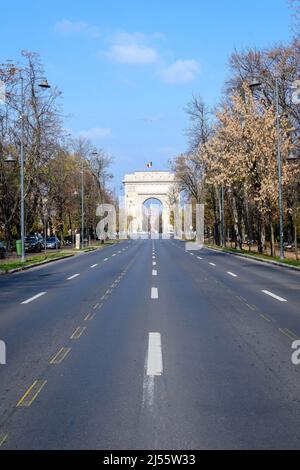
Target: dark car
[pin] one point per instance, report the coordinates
(53, 243)
(2, 250)
(33, 243)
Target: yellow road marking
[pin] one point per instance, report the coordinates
(288, 333)
(3, 438)
(78, 332)
(265, 317)
(252, 307)
(60, 355)
(90, 316)
(32, 393)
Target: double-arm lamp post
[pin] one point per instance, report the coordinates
(254, 84)
(43, 83)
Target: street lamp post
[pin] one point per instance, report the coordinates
(22, 172)
(43, 84)
(82, 205)
(279, 168)
(255, 84)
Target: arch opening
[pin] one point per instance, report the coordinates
(152, 221)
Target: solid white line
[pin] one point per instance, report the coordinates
(231, 274)
(154, 293)
(94, 265)
(154, 272)
(33, 298)
(212, 264)
(153, 263)
(274, 296)
(154, 360)
(72, 277)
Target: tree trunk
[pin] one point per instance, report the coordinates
(263, 236)
(295, 240)
(238, 237)
(8, 236)
(272, 239)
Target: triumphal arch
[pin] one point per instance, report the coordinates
(142, 186)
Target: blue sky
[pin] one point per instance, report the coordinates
(127, 68)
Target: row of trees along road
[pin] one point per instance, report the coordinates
(232, 154)
(53, 160)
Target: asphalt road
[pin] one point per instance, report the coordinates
(143, 345)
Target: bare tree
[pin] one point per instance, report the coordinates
(199, 131)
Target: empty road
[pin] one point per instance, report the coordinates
(143, 345)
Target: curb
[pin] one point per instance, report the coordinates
(259, 260)
(29, 266)
(47, 261)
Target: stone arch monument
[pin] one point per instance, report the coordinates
(143, 185)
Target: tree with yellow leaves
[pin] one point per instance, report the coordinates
(241, 155)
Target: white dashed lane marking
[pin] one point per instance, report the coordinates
(154, 293)
(274, 296)
(154, 359)
(72, 277)
(231, 274)
(154, 272)
(33, 298)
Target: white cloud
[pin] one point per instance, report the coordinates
(181, 71)
(143, 49)
(69, 28)
(133, 48)
(133, 54)
(96, 133)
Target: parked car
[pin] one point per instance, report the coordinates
(41, 239)
(33, 243)
(53, 243)
(2, 250)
